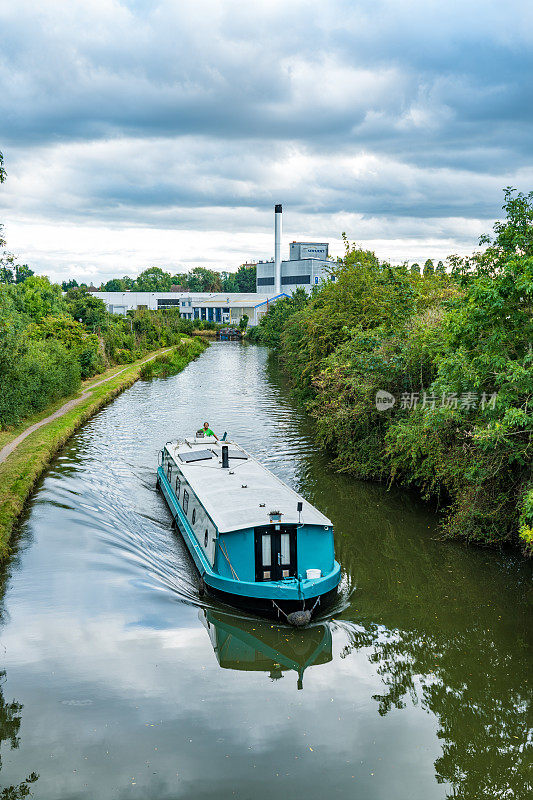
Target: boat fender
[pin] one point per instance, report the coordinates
(299, 618)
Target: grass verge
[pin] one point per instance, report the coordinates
(24, 466)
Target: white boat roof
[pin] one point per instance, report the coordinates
(243, 495)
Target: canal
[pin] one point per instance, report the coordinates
(117, 681)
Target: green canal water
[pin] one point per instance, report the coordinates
(118, 682)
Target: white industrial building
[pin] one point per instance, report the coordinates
(223, 307)
(120, 302)
(306, 266)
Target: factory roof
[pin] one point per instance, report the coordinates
(239, 299)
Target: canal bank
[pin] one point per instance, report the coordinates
(119, 681)
(26, 450)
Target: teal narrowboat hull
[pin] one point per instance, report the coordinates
(289, 593)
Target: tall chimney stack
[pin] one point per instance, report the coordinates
(277, 249)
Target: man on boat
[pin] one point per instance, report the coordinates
(209, 432)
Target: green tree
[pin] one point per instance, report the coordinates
(38, 298)
(244, 279)
(201, 279)
(85, 308)
(429, 269)
(7, 271)
(114, 285)
(70, 284)
(22, 271)
(153, 279)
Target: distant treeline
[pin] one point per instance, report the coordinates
(200, 279)
(49, 342)
(426, 379)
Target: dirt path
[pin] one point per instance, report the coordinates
(8, 449)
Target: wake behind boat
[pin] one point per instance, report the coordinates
(255, 542)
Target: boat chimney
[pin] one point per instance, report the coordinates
(277, 248)
(225, 456)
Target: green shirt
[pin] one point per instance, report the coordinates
(208, 432)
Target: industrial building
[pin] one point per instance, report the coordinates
(221, 307)
(120, 302)
(306, 267)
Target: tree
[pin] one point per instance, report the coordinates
(243, 323)
(84, 307)
(201, 279)
(6, 268)
(37, 297)
(11, 272)
(429, 269)
(228, 282)
(70, 284)
(415, 269)
(245, 278)
(22, 271)
(440, 269)
(114, 285)
(153, 279)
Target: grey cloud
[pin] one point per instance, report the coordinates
(200, 115)
(227, 70)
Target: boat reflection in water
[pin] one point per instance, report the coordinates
(255, 644)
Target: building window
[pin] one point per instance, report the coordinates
(265, 281)
(289, 280)
(167, 303)
(185, 502)
(193, 516)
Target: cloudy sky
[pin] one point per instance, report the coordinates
(161, 132)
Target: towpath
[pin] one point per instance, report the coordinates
(8, 448)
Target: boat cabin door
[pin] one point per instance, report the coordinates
(275, 552)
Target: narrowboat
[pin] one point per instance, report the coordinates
(256, 542)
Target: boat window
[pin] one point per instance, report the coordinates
(266, 554)
(285, 549)
(193, 516)
(185, 501)
(169, 471)
(206, 537)
(178, 485)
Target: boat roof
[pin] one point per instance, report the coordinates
(242, 496)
